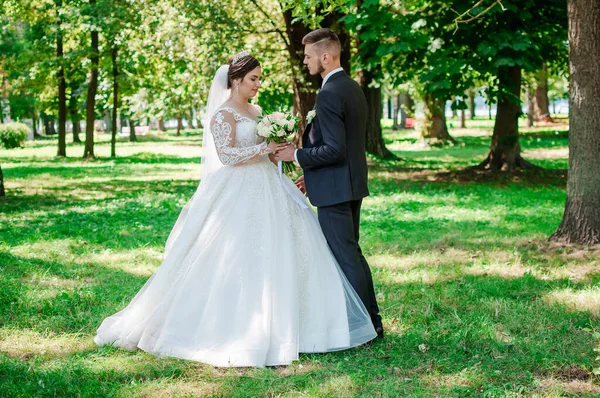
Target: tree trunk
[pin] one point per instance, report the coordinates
(542, 111)
(107, 119)
(462, 119)
(132, 136)
(2, 192)
(91, 95)
(179, 125)
(304, 85)
(76, 129)
(397, 107)
(389, 108)
(454, 110)
(530, 107)
(407, 108)
(161, 124)
(374, 139)
(471, 94)
(191, 118)
(505, 151)
(49, 126)
(34, 120)
(435, 129)
(115, 105)
(62, 88)
(74, 113)
(581, 219)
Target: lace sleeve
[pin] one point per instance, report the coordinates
(223, 131)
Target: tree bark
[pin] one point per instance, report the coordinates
(106, 118)
(374, 139)
(407, 108)
(396, 112)
(74, 113)
(462, 119)
(542, 111)
(132, 136)
(530, 106)
(581, 219)
(191, 118)
(304, 85)
(161, 124)
(115, 105)
(454, 110)
(2, 191)
(179, 125)
(49, 126)
(435, 129)
(505, 151)
(91, 95)
(34, 120)
(62, 88)
(471, 94)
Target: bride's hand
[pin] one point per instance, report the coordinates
(274, 147)
(300, 184)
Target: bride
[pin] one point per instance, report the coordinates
(247, 277)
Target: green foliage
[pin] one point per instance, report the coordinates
(13, 135)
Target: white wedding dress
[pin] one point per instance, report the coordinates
(248, 278)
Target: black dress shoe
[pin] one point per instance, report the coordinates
(379, 331)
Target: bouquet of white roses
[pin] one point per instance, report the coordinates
(279, 127)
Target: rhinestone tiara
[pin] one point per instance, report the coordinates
(239, 56)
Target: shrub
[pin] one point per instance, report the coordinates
(13, 135)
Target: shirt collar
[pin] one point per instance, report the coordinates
(327, 76)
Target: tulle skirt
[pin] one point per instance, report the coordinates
(247, 280)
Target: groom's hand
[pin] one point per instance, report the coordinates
(286, 154)
(300, 184)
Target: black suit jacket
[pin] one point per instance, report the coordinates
(333, 146)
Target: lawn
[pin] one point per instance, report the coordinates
(475, 300)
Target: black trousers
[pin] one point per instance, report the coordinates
(340, 224)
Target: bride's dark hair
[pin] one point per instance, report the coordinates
(240, 67)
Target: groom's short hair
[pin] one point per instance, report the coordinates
(325, 41)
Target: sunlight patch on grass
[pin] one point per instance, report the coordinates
(338, 386)
(466, 378)
(24, 343)
(171, 387)
(552, 387)
(124, 361)
(140, 262)
(136, 261)
(546, 153)
(587, 299)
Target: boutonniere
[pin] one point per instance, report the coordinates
(310, 116)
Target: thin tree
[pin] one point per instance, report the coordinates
(581, 219)
(62, 86)
(91, 94)
(2, 192)
(115, 105)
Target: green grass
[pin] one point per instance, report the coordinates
(475, 301)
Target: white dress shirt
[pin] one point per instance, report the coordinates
(327, 76)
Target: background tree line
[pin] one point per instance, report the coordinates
(142, 60)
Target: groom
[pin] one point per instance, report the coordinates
(334, 162)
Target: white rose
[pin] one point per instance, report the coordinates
(276, 116)
(310, 116)
(291, 125)
(263, 131)
(280, 133)
(266, 122)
